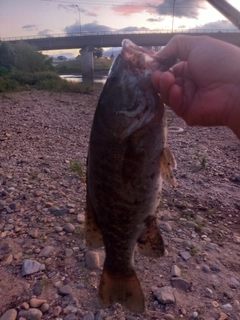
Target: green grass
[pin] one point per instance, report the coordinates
(77, 167)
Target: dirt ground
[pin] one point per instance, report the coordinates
(43, 150)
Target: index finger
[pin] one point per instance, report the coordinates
(181, 46)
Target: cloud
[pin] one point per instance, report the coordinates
(76, 8)
(155, 19)
(44, 32)
(218, 25)
(130, 28)
(182, 8)
(127, 10)
(30, 27)
(88, 27)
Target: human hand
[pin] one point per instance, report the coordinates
(204, 88)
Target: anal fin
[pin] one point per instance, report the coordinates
(167, 164)
(93, 235)
(151, 243)
(122, 288)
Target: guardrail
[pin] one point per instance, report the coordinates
(85, 33)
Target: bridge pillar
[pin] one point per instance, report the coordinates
(87, 65)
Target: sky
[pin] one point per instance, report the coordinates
(28, 18)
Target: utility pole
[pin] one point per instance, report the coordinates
(79, 20)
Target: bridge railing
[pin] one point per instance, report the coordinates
(98, 33)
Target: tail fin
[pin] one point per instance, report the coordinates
(122, 288)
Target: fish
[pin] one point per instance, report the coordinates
(128, 159)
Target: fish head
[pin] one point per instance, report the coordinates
(129, 85)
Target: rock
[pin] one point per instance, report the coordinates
(10, 314)
(30, 314)
(101, 315)
(199, 219)
(39, 193)
(36, 303)
(61, 212)
(37, 288)
(206, 230)
(31, 266)
(13, 206)
(71, 316)
(47, 251)
(165, 295)
(165, 226)
(227, 307)
(223, 316)
(234, 283)
(185, 255)
(92, 260)
(195, 314)
(65, 290)
(176, 272)
(89, 316)
(69, 227)
(5, 249)
(68, 252)
(181, 284)
(34, 233)
(25, 306)
(45, 307)
(57, 311)
(80, 218)
(206, 268)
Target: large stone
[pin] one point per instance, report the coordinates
(92, 260)
(181, 284)
(31, 266)
(31, 314)
(165, 295)
(11, 314)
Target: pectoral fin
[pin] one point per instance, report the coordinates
(167, 164)
(151, 242)
(93, 234)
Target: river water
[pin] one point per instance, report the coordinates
(78, 78)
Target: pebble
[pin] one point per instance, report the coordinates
(46, 251)
(65, 290)
(70, 309)
(223, 316)
(45, 307)
(71, 316)
(37, 288)
(165, 295)
(36, 303)
(206, 268)
(61, 212)
(80, 218)
(89, 316)
(195, 314)
(165, 226)
(175, 272)
(185, 255)
(31, 266)
(30, 314)
(206, 230)
(57, 311)
(68, 252)
(34, 233)
(234, 283)
(69, 227)
(10, 314)
(199, 219)
(92, 260)
(25, 306)
(227, 307)
(181, 284)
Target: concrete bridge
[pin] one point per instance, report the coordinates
(87, 41)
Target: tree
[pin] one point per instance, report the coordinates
(97, 52)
